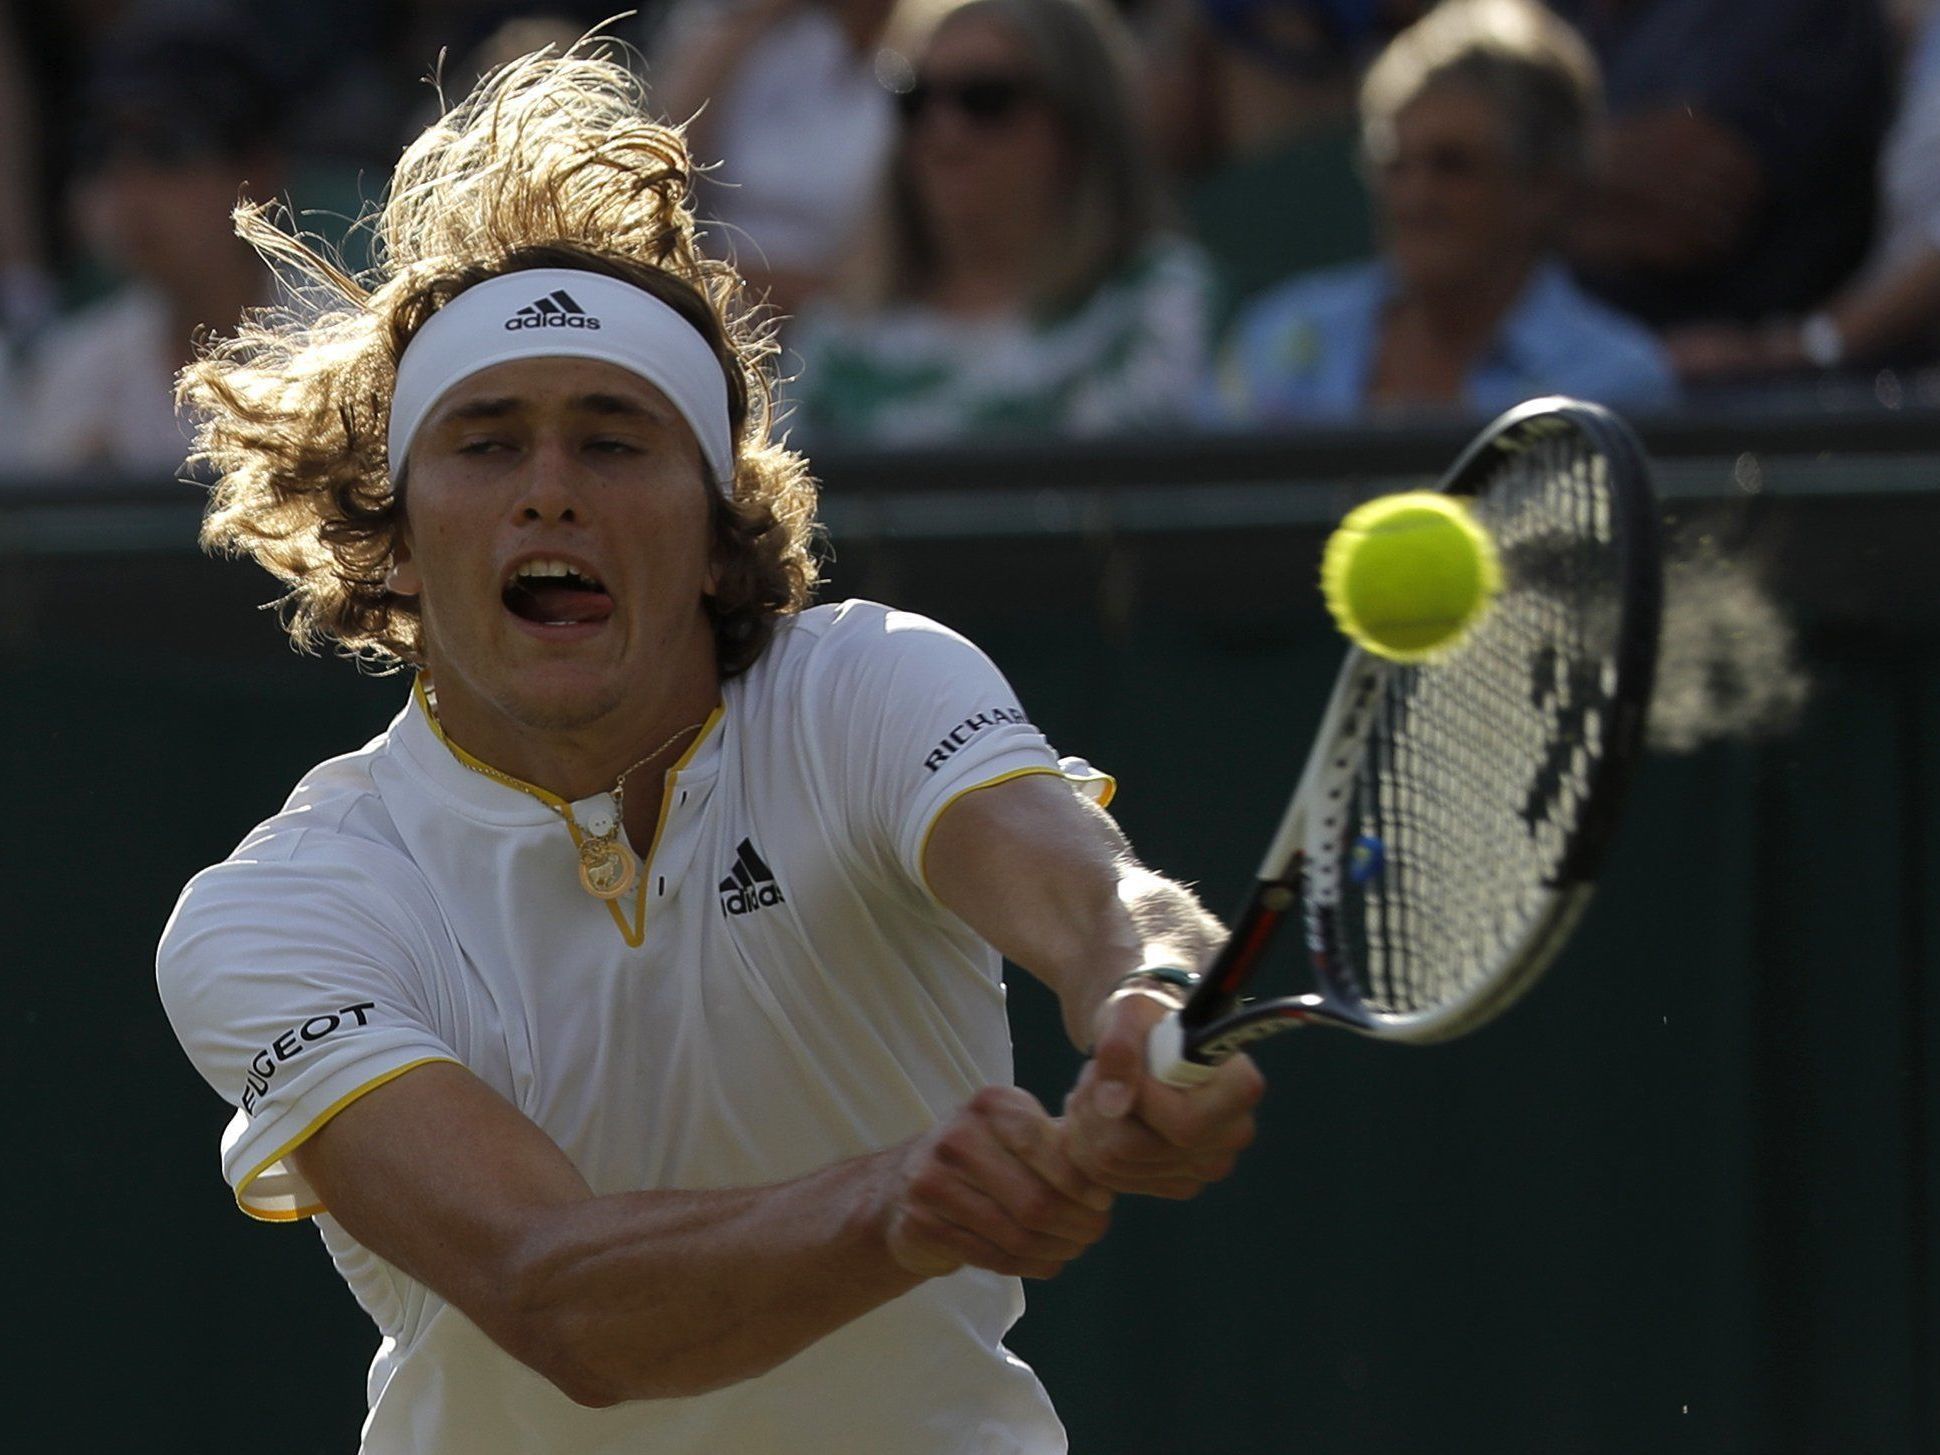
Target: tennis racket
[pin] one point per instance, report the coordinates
(1449, 824)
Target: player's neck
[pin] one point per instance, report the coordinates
(578, 760)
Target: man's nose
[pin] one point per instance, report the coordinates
(551, 483)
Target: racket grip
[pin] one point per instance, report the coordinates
(1165, 1055)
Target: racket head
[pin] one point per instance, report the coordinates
(1452, 833)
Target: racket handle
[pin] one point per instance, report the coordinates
(1165, 1055)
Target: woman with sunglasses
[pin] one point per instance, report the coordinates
(1016, 277)
(1476, 128)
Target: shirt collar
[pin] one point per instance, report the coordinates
(481, 793)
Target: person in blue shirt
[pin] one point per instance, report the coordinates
(1477, 124)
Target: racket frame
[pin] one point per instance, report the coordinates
(1301, 868)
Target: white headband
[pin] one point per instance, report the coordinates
(564, 313)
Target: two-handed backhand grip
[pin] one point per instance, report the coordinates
(1165, 1055)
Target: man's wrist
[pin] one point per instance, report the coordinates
(1161, 977)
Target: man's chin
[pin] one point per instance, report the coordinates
(558, 718)
(559, 701)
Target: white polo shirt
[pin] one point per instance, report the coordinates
(780, 992)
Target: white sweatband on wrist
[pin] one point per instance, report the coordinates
(564, 313)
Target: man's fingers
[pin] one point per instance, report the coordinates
(1115, 1071)
(1136, 1147)
(1020, 1223)
(1199, 1116)
(1176, 1142)
(930, 1245)
(1023, 1165)
(1117, 1066)
(993, 1187)
(1038, 1143)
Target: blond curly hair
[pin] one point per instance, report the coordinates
(552, 161)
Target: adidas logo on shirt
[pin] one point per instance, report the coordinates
(751, 885)
(556, 310)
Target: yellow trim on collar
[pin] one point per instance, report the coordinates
(479, 765)
(264, 1215)
(634, 934)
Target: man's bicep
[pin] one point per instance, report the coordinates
(1034, 868)
(992, 840)
(438, 1174)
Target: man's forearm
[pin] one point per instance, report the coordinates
(1053, 884)
(1173, 927)
(655, 1294)
(1168, 923)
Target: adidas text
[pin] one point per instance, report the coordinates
(557, 320)
(746, 901)
(750, 883)
(558, 309)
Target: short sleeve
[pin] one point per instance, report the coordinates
(912, 716)
(295, 987)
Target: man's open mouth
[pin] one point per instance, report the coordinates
(555, 593)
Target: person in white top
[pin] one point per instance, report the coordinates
(176, 112)
(629, 1014)
(786, 93)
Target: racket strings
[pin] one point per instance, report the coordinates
(1478, 766)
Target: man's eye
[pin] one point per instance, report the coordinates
(613, 446)
(481, 446)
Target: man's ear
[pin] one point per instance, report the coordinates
(403, 578)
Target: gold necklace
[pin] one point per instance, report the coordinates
(606, 866)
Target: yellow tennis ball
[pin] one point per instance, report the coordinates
(1406, 575)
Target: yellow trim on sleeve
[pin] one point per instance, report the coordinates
(316, 1125)
(1107, 786)
(923, 849)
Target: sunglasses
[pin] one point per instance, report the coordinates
(986, 100)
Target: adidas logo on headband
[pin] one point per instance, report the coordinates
(627, 327)
(556, 310)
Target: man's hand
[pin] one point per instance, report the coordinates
(992, 1187)
(1132, 1133)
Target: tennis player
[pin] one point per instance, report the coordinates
(628, 1015)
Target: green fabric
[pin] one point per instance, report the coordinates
(1130, 356)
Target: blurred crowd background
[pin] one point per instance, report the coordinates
(991, 220)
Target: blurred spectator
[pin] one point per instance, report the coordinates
(1891, 311)
(175, 118)
(26, 290)
(1019, 279)
(1477, 122)
(26, 286)
(1256, 103)
(519, 36)
(785, 93)
(1736, 172)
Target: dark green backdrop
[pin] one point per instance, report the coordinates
(1679, 1200)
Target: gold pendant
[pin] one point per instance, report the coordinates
(606, 870)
